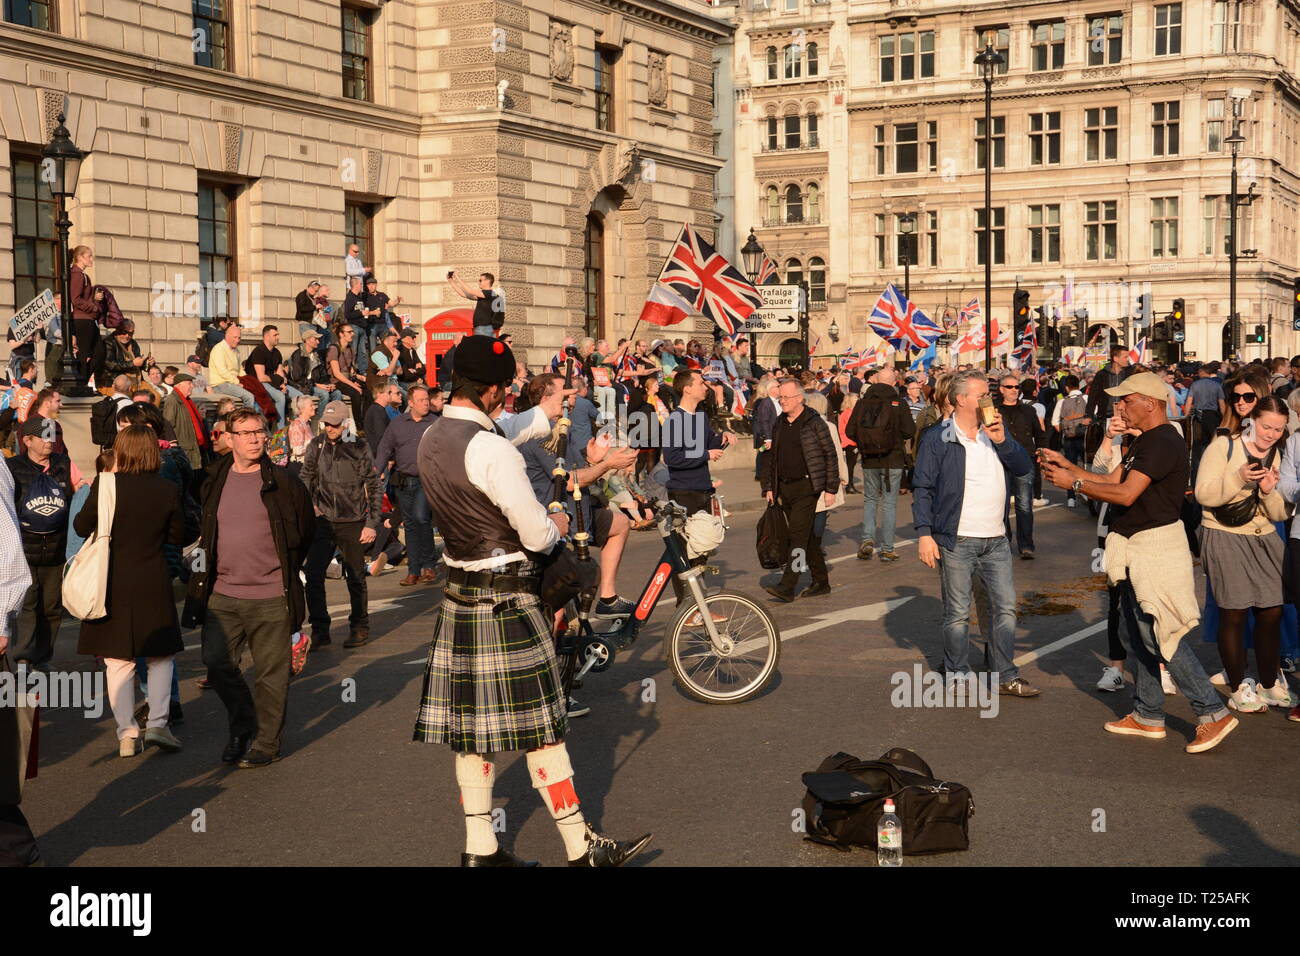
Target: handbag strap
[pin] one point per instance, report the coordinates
(106, 504)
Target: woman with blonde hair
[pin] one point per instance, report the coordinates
(141, 619)
(85, 302)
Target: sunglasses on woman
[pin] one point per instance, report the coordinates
(1248, 397)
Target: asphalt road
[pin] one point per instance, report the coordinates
(716, 784)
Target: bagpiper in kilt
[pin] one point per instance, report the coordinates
(491, 684)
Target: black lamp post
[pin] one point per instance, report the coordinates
(906, 226)
(61, 168)
(1235, 141)
(988, 60)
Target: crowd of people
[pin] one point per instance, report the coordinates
(251, 479)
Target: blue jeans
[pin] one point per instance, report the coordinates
(417, 527)
(238, 394)
(1022, 487)
(362, 346)
(1184, 668)
(278, 400)
(990, 558)
(875, 495)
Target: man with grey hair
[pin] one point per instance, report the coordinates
(961, 485)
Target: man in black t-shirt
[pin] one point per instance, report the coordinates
(1148, 561)
(489, 307)
(263, 364)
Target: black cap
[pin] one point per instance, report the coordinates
(409, 333)
(35, 427)
(481, 358)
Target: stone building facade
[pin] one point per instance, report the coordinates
(1111, 160)
(557, 144)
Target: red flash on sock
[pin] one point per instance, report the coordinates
(562, 795)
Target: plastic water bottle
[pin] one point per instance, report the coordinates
(889, 838)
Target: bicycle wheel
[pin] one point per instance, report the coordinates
(715, 678)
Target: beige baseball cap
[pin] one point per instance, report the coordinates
(1143, 383)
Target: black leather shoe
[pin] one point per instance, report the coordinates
(236, 748)
(501, 857)
(602, 851)
(815, 590)
(777, 593)
(175, 715)
(321, 641)
(360, 636)
(255, 759)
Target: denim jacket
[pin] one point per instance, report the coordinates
(939, 480)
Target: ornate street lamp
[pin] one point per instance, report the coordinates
(61, 167)
(833, 331)
(988, 61)
(752, 253)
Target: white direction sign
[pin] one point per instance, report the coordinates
(782, 305)
(33, 317)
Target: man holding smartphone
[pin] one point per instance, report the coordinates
(960, 485)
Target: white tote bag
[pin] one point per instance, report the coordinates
(85, 578)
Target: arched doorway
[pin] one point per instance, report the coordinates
(790, 354)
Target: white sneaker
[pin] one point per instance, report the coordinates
(1167, 682)
(1220, 680)
(1112, 679)
(1070, 503)
(1040, 502)
(1279, 695)
(1243, 699)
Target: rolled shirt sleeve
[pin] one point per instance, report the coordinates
(495, 467)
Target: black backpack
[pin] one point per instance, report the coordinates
(103, 422)
(203, 349)
(877, 434)
(773, 539)
(846, 799)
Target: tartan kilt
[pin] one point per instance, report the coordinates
(491, 683)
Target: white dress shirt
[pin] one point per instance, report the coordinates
(495, 467)
(15, 576)
(984, 502)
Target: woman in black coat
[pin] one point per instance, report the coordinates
(141, 619)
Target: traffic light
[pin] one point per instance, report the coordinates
(1081, 325)
(1176, 325)
(1020, 311)
(1295, 298)
(1142, 317)
(1258, 337)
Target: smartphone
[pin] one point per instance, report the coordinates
(988, 413)
(450, 274)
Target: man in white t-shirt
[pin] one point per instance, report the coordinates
(960, 486)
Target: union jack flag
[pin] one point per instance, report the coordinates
(1139, 354)
(868, 358)
(1028, 347)
(767, 274)
(697, 279)
(971, 312)
(900, 322)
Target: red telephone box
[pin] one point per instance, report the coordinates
(440, 331)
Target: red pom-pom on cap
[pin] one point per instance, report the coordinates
(498, 348)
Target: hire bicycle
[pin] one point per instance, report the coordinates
(724, 655)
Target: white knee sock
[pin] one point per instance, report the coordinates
(476, 774)
(553, 776)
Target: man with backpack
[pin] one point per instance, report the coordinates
(103, 414)
(44, 482)
(1070, 419)
(881, 424)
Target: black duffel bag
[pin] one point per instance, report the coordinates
(772, 538)
(846, 799)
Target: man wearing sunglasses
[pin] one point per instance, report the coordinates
(1023, 424)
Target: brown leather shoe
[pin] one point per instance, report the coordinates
(407, 581)
(1210, 735)
(428, 576)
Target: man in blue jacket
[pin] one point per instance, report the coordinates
(960, 485)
